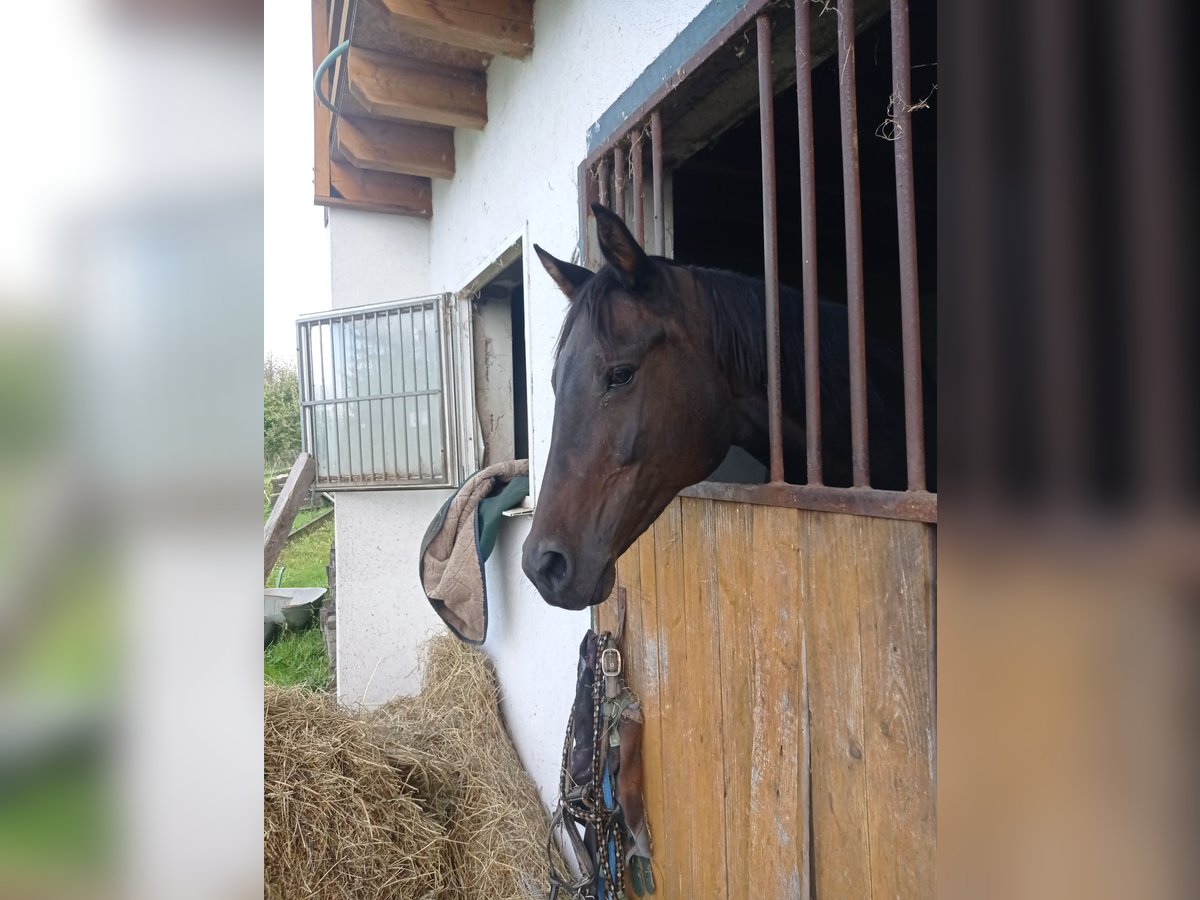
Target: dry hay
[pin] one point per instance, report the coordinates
(423, 798)
(341, 819)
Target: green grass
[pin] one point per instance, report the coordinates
(304, 559)
(298, 657)
(307, 515)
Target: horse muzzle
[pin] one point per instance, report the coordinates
(559, 578)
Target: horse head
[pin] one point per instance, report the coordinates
(641, 411)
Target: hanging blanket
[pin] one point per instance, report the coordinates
(460, 539)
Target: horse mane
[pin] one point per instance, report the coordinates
(737, 312)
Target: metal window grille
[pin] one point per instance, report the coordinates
(376, 394)
(605, 176)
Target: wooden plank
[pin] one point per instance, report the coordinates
(372, 30)
(898, 705)
(632, 644)
(834, 558)
(291, 498)
(321, 116)
(488, 26)
(649, 688)
(705, 763)
(397, 148)
(341, 21)
(735, 571)
(777, 809)
(337, 183)
(391, 87)
(378, 191)
(672, 851)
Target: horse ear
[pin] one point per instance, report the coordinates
(619, 246)
(569, 277)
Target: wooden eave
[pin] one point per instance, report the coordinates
(415, 70)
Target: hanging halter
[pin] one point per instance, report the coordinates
(600, 786)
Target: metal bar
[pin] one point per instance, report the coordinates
(413, 483)
(369, 308)
(434, 368)
(860, 464)
(808, 239)
(916, 506)
(910, 312)
(324, 395)
(392, 401)
(656, 171)
(337, 429)
(379, 369)
(603, 174)
(412, 324)
(635, 152)
(404, 358)
(370, 409)
(766, 118)
(619, 181)
(302, 373)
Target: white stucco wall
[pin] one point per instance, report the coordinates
(518, 175)
(383, 617)
(376, 257)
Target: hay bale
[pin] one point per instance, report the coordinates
(424, 797)
(342, 819)
(492, 810)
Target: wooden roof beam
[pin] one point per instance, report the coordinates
(405, 195)
(391, 87)
(502, 27)
(401, 149)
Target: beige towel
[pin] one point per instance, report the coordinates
(451, 564)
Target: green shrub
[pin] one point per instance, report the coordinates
(281, 414)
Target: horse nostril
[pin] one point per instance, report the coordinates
(553, 567)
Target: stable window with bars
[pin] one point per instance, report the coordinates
(377, 394)
(668, 157)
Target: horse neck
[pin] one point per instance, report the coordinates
(727, 310)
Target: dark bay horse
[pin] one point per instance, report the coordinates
(660, 369)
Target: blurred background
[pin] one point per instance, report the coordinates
(131, 283)
(131, 345)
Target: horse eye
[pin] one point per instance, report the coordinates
(621, 375)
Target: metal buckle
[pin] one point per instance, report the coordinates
(613, 670)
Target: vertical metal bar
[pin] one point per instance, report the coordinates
(392, 390)
(910, 312)
(603, 175)
(346, 404)
(302, 373)
(656, 168)
(808, 238)
(412, 323)
(766, 118)
(432, 370)
(404, 358)
(854, 261)
(635, 151)
(379, 383)
(619, 181)
(312, 396)
(1058, 184)
(325, 396)
(358, 394)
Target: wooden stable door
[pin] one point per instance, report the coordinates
(785, 662)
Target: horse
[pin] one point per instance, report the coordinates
(659, 370)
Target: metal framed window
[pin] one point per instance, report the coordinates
(380, 396)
